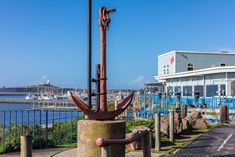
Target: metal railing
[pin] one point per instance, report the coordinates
(47, 127)
(106, 143)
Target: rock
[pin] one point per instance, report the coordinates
(165, 125)
(136, 145)
(195, 115)
(140, 128)
(200, 124)
(186, 125)
(196, 120)
(178, 126)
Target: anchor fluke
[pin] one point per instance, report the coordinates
(102, 115)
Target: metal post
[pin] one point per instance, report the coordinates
(157, 131)
(15, 129)
(3, 130)
(46, 128)
(65, 136)
(22, 122)
(97, 87)
(34, 121)
(9, 132)
(171, 123)
(26, 146)
(71, 127)
(40, 128)
(77, 127)
(59, 129)
(27, 122)
(53, 123)
(89, 52)
(144, 104)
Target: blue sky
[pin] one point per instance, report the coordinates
(46, 39)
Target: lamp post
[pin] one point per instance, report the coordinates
(89, 86)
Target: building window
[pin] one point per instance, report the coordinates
(222, 89)
(170, 90)
(167, 71)
(187, 90)
(164, 71)
(190, 67)
(199, 89)
(211, 90)
(177, 89)
(222, 64)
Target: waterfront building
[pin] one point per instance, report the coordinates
(189, 72)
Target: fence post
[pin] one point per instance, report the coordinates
(146, 145)
(26, 146)
(157, 131)
(184, 111)
(171, 123)
(105, 151)
(223, 114)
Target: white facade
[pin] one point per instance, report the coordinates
(188, 72)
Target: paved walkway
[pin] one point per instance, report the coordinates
(67, 152)
(39, 153)
(217, 142)
(73, 153)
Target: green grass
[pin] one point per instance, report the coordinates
(73, 145)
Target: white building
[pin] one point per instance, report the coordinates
(210, 73)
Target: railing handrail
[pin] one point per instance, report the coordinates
(100, 142)
(105, 144)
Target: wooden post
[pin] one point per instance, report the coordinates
(223, 114)
(115, 104)
(157, 131)
(171, 123)
(115, 107)
(26, 146)
(146, 145)
(184, 111)
(105, 151)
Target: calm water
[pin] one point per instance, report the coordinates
(23, 113)
(7, 107)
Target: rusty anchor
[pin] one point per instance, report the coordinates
(101, 93)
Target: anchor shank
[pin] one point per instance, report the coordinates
(103, 97)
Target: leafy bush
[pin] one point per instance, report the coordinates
(147, 123)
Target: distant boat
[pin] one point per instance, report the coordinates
(30, 97)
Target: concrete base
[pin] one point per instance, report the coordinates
(90, 130)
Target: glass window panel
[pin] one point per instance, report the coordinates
(177, 89)
(199, 89)
(187, 90)
(223, 89)
(211, 90)
(170, 90)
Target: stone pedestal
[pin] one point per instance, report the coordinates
(90, 130)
